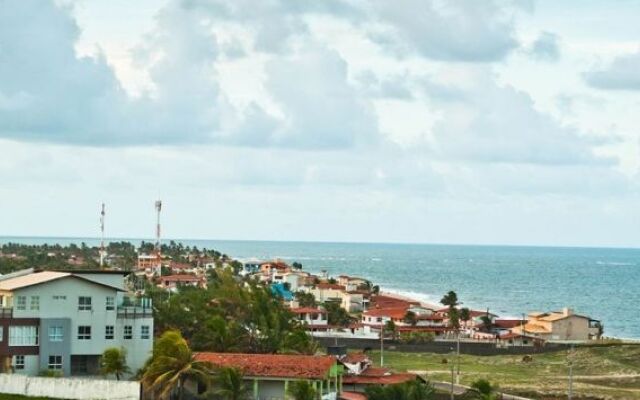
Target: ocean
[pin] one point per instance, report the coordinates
(509, 280)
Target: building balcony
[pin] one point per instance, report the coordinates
(131, 307)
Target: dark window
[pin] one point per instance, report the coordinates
(84, 303)
(55, 362)
(128, 332)
(84, 332)
(108, 332)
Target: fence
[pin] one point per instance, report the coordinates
(441, 347)
(69, 388)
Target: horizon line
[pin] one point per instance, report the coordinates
(2, 237)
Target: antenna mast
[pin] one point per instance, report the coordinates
(157, 247)
(102, 249)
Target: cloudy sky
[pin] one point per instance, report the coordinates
(507, 122)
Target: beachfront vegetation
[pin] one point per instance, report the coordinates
(599, 371)
(123, 255)
(230, 315)
(171, 364)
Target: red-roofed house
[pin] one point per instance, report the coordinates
(360, 374)
(269, 375)
(314, 319)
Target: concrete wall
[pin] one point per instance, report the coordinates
(68, 388)
(440, 347)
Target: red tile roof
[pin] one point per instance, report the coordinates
(390, 379)
(382, 301)
(395, 313)
(272, 365)
(508, 323)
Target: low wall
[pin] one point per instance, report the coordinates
(440, 347)
(69, 388)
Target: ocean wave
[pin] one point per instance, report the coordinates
(615, 263)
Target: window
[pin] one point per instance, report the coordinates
(128, 332)
(108, 332)
(111, 303)
(55, 334)
(55, 362)
(144, 332)
(59, 297)
(35, 303)
(84, 332)
(23, 336)
(18, 362)
(21, 302)
(1, 333)
(84, 303)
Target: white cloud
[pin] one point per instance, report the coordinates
(622, 74)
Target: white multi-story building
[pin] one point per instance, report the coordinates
(54, 320)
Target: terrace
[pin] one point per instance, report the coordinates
(135, 307)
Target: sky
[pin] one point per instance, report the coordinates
(420, 121)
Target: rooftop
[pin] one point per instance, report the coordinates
(272, 365)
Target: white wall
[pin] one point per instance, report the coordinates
(69, 388)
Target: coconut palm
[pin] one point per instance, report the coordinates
(114, 361)
(228, 384)
(465, 315)
(302, 390)
(171, 365)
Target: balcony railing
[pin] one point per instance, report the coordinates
(135, 307)
(6, 312)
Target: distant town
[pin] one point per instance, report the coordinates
(66, 310)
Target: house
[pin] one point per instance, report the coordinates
(352, 283)
(517, 340)
(270, 267)
(560, 325)
(350, 301)
(314, 319)
(360, 373)
(63, 321)
(173, 282)
(268, 375)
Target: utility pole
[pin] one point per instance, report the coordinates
(102, 249)
(452, 382)
(458, 359)
(382, 345)
(570, 361)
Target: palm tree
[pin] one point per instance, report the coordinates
(465, 315)
(450, 299)
(228, 384)
(302, 390)
(114, 361)
(171, 365)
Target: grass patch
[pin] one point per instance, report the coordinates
(600, 372)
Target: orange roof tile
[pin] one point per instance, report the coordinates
(396, 313)
(272, 365)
